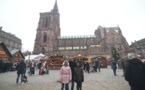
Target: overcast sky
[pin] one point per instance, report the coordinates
(77, 17)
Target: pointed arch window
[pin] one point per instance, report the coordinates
(46, 22)
(45, 38)
(43, 50)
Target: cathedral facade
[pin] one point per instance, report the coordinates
(49, 41)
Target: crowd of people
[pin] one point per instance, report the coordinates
(6, 66)
(72, 71)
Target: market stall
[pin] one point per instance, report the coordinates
(5, 58)
(55, 62)
(17, 55)
(5, 54)
(103, 61)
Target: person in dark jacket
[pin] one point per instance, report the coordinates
(123, 65)
(144, 63)
(78, 76)
(135, 73)
(1, 66)
(114, 67)
(21, 70)
(96, 64)
(72, 66)
(87, 67)
(99, 66)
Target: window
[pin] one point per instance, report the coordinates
(81, 47)
(68, 48)
(46, 22)
(43, 50)
(120, 48)
(75, 47)
(61, 48)
(45, 38)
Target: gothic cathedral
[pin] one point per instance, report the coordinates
(49, 41)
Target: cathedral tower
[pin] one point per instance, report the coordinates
(47, 32)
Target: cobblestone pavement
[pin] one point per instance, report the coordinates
(104, 80)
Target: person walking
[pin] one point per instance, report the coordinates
(21, 69)
(99, 66)
(46, 67)
(65, 76)
(135, 73)
(114, 67)
(78, 76)
(96, 64)
(87, 67)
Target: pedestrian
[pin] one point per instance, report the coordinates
(65, 76)
(99, 66)
(114, 67)
(135, 73)
(46, 67)
(96, 64)
(92, 67)
(87, 67)
(78, 76)
(21, 69)
(123, 65)
(32, 68)
(72, 66)
(1, 66)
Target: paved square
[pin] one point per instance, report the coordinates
(104, 80)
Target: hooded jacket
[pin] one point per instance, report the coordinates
(21, 67)
(78, 74)
(65, 74)
(135, 73)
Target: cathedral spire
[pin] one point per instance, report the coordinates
(55, 8)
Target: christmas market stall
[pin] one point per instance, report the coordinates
(5, 56)
(103, 61)
(17, 55)
(55, 62)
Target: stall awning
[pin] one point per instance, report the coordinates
(36, 57)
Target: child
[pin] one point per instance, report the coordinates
(65, 76)
(78, 76)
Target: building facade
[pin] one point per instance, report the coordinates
(139, 47)
(49, 41)
(10, 40)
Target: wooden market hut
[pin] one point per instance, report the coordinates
(5, 54)
(103, 61)
(17, 55)
(55, 62)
